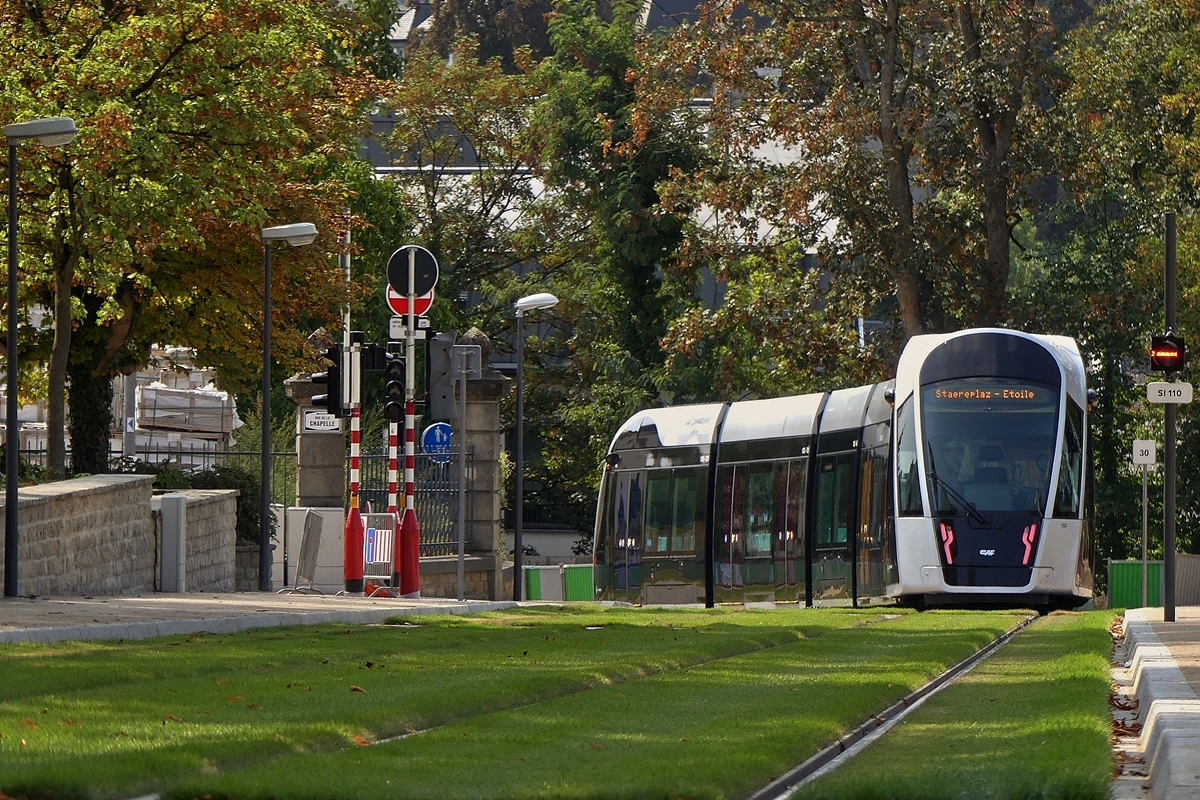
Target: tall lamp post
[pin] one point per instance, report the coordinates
(52, 132)
(529, 303)
(297, 235)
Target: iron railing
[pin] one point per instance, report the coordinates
(436, 478)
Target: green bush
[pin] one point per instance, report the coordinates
(248, 502)
(169, 478)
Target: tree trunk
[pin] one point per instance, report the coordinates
(64, 258)
(993, 298)
(91, 420)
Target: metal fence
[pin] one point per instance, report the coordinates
(437, 494)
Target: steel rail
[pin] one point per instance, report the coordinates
(848, 746)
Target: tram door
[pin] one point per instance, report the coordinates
(875, 562)
(626, 533)
(789, 536)
(761, 519)
(832, 544)
(728, 577)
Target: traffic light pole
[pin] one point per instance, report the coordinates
(1168, 577)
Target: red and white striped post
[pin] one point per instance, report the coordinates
(393, 495)
(352, 572)
(410, 529)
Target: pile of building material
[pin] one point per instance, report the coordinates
(203, 410)
(179, 416)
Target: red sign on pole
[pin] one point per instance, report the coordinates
(398, 303)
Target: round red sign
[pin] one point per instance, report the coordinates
(398, 303)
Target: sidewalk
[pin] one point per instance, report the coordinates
(1165, 665)
(55, 619)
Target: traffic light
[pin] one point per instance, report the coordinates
(331, 401)
(1167, 353)
(393, 390)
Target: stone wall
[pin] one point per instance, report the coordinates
(210, 538)
(86, 536)
(439, 577)
(246, 568)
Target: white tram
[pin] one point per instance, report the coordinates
(962, 482)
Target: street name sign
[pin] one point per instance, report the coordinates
(1166, 392)
(321, 421)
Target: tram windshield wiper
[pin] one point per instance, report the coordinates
(963, 502)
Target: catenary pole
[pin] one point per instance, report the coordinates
(1168, 576)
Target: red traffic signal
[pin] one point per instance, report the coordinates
(1167, 353)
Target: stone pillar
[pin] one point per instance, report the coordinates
(484, 438)
(320, 454)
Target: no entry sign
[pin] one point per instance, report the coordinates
(398, 303)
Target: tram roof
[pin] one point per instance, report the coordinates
(674, 426)
(776, 418)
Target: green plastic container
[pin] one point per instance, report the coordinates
(533, 583)
(544, 583)
(579, 582)
(1125, 584)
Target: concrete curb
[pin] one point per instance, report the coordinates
(231, 624)
(1169, 710)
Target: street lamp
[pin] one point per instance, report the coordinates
(297, 235)
(529, 303)
(52, 132)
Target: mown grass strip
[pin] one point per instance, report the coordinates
(1030, 722)
(718, 730)
(101, 719)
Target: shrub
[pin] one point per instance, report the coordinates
(224, 476)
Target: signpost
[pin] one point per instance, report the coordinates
(412, 273)
(1144, 455)
(1168, 392)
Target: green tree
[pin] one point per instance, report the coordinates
(460, 130)
(902, 132)
(1092, 267)
(200, 122)
(611, 246)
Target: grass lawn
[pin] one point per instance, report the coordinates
(576, 702)
(1030, 722)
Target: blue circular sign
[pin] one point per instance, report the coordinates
(435, 442)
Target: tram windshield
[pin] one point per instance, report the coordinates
(989, 444)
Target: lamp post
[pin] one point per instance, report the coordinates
(297, 235)
(52, 132)
(529, 303)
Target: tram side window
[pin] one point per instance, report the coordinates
(797, 480)
(688, 516)
(1070, 469)
(759, 509)
(635, 513)
(908, 479)
(658, 511)
(873, 515)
